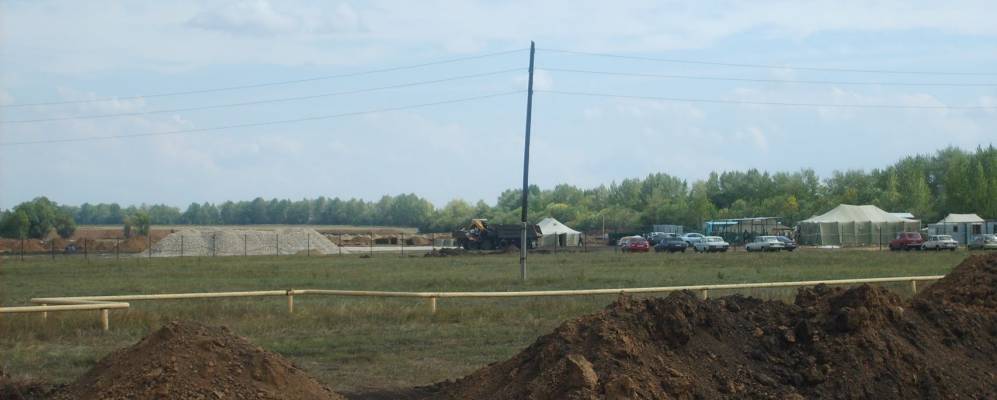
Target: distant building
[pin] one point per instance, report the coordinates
(677, 229)
(962, 227)
(736, 230)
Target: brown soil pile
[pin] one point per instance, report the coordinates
(12, 388)
(192, 361)
(863, 342)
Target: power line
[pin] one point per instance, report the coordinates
(257, 124)
(768, 66)
(767, 103)
(719, 78)
(267, 101)
(267, 84)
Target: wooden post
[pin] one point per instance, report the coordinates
(340, 243)
(372, 243)
(705, 293)
(44, 313)
(402, 242)
(308, 244)
(432, 241)
(290, 301)
(181, 246)
(432, 305)
(104, 319)
(85, 256)
(913, 287)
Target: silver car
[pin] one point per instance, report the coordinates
(765, 243)
(940, 242)
(711, 243)
(983, 242)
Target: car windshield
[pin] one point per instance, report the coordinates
(989, 237)
(713, 239)
(943, 237)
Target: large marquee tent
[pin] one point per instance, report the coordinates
(554, 233)
(850, 225)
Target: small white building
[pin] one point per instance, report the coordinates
(962, 227)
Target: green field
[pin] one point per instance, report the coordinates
(354, 344)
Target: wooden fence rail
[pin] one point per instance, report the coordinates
(106, 303)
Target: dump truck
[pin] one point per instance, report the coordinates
(480, 235)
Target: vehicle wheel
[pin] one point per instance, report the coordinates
(683, 250)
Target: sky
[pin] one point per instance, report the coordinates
(352, 99)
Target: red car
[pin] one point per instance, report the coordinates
(907, 241)
(634, 244)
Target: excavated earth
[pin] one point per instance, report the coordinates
(860, 343)
(185, 360)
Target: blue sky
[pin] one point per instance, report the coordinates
(68, 51)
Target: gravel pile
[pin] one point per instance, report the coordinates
(237, 242)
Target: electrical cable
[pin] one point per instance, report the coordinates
(766, 103)
(267, 84)
(718, 78)
(257, 124)
(267, 101)
(767, 66)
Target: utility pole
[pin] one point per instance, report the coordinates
(526, 166)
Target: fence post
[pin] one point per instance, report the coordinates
(181, 246)
(913, 286)
(308, 244)
(148, 240)
(705, 293)
(402, 242)
(104, 320)
(290, 301)
(432, 241)
(117, 253)
(340, 243)
(245, 248)
(22, 249)
(372, 243)
(214, 245)
(432, 305)
(44, 313)
(85, 256)
(277, 242)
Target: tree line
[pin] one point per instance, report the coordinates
(929, 186)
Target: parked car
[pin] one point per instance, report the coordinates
(907, 241)
(657, 237)
(634, 244)
(983, 242)
(765, 243)
(692, 238)
(940, 242)
(711, 244)
(789, 244)
(671, 245)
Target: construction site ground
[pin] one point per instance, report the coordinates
(385, 348)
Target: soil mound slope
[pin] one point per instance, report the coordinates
(191, 361)
(864, 342)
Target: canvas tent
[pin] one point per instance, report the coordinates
(962, 227)
(850, 225)
(554, 233)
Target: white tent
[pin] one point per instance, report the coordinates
(557, 234)
(962, 227)
(854, 225)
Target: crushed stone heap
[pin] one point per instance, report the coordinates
(185, 360)
(863, 342)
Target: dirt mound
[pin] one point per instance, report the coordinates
(864, 342)
(21, 388)
(192, 361)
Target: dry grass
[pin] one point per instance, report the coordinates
(354, 344)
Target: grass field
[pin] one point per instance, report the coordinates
(357, 344)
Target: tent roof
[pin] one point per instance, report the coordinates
(903, 215)
(550, 226)
(960, 219)
(850, 213)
